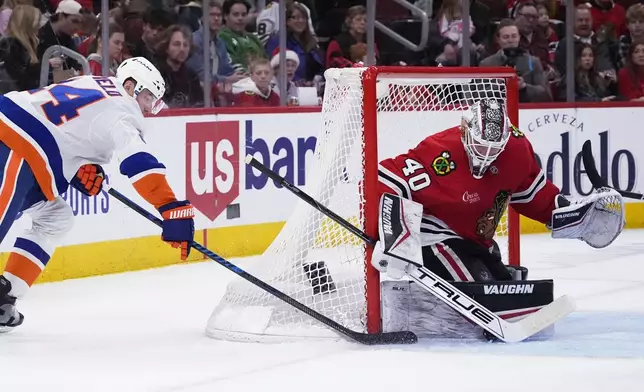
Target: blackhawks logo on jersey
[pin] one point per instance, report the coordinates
(487, 223)
(516, 132)
(442, 164)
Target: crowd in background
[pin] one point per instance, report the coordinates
(244, 53)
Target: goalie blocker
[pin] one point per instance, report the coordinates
(405, 306)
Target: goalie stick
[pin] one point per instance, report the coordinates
(593, 175)
(402, 337)
(454, 298)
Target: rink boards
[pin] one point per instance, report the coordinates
(241, 211)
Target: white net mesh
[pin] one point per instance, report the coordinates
(313, 259)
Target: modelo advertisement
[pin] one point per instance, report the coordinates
(557, 136)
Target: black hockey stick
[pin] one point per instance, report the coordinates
(403, 337)
(593, 174)
(443, 290)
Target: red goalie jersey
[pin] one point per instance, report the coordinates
(436, 174)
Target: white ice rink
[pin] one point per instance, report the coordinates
(143, 331)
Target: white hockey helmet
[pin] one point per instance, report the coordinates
(146, 76)
(485, 131)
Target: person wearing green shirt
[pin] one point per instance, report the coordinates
(241, 45)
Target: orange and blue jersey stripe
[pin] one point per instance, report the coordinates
(31, 139)
(27, 260)
(16, 181)
(148, 178)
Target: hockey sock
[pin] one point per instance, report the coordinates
(27, 260)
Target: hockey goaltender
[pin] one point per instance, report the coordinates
(440, 206)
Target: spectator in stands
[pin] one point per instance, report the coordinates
(117, 14)
(268, 20)
(544, 26)
(18, 50)
(631, 77)
(533, 40)
(635, 25)
(607, 12)
(292, 63)
(532, 79)
(190, 14)
(590, 85)
(349, 47)
(482, 18)
(256, 90)
(115, 48)
(155, 22)
(584, 35)
(446, 35)
(6, 9)
(88, 27)
(58, 31)
(182, 87)
(221, 67)
(241, 45)
(303, 43)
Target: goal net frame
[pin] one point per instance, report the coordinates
(410, 103)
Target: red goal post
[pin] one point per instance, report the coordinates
(370, 78)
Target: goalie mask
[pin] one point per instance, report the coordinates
(485, 130)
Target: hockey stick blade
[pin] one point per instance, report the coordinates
(403, 337)
(509, 332)
(506, 331)
(593, 174)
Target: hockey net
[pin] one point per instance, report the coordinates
(368, 114)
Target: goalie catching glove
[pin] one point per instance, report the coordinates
(178, 225)
(597, 219)
(89, 179)
(399, 233)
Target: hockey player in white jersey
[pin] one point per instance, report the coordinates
(59, 135)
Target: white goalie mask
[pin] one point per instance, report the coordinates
(485, 131)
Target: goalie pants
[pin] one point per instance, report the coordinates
(462, 260)
(33, 247)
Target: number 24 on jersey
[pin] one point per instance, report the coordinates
(67, 101)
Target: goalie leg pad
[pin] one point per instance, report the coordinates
(461, 260)
(407, 307)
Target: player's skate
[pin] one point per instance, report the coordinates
(9, 315)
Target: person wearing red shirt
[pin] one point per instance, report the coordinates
(256, 90)
(630, 79)
(605, 12)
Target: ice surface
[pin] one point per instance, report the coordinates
(144, 331)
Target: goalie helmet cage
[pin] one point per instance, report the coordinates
(368, 114)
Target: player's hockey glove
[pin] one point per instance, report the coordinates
(89, 179)
(178, 225)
